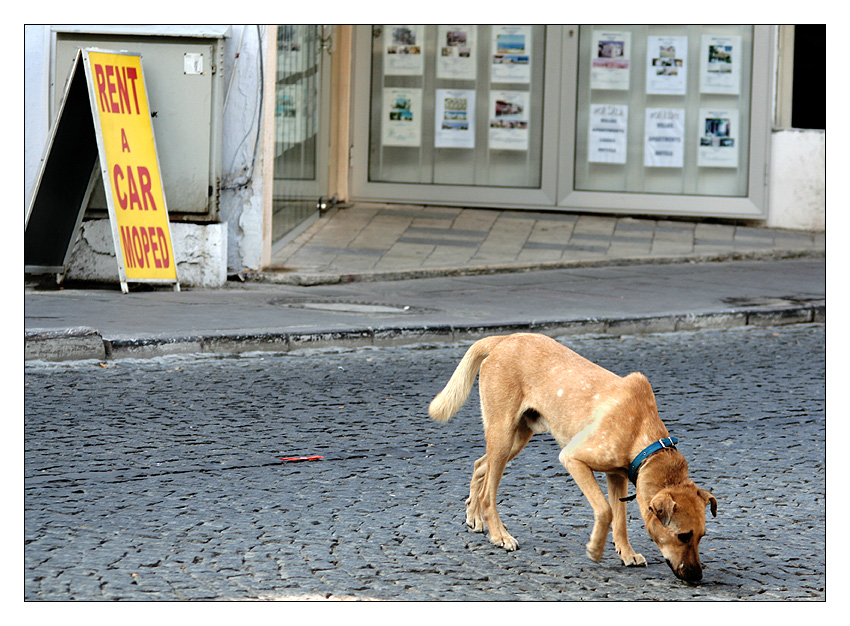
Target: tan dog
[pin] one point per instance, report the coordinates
(530, 384)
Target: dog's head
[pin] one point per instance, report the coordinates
(676, 523)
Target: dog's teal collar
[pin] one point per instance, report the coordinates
(667, 442)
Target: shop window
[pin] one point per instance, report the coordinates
(664, 109)
(457, 105)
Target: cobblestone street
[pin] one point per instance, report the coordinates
(161, 479)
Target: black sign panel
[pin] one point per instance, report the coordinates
(56, 209)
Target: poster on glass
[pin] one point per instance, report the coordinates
(456, 51)
(666, 65)
(454, 123)
(510, 61)
(402, 118)
(403, 51)
(718, 139)
(609, 65)
(607, 134)
(664, 144)
(508, 120)
(720, 65)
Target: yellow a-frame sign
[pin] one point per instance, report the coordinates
(119, 116)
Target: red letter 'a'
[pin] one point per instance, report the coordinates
(135, 201)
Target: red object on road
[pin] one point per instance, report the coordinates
(301, 458)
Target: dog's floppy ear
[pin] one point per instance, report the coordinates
(662, 505)
(709, 499)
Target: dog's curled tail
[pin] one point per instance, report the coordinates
(456, 391)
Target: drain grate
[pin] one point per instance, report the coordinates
(342, 306)
(351, 307)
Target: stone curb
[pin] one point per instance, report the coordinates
(63, 345)
(87, 343)
(308, 279)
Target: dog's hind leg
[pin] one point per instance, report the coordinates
(501, 447)
(618, 488)
(473, 504)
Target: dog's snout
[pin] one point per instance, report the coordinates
(692, 575)
(688, 573)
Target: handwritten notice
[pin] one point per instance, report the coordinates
(664, 144)
(608, 133)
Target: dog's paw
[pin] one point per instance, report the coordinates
(474, 519)
(635, 560)
(506, 541)
(593, 553)
(474, 522)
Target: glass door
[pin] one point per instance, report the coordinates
(301, 122)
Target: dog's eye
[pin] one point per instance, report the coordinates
(685, 537)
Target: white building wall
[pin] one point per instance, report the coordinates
(797, 183)
(36, 71)
(241, 203)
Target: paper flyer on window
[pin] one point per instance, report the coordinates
(511, 54)
(608, 131)
(666, 65)
(402, 118)
(718, 139)
(664, 144)
(509, 120)
(403, 49)
(456, 51)
(454, 123)
(720, 65)
(609, 67)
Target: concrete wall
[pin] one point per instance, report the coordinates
(797, 180)
(241, 203)
(200, 251)
(36, 71)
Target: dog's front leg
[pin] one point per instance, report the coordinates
(602, 513)
(618, 488)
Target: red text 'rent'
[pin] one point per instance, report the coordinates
(116, 89)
